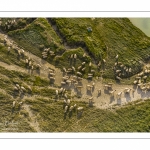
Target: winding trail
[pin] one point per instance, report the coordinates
(33, 121)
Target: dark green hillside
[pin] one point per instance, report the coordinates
(109, 37)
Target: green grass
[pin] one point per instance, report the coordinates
(131, 118)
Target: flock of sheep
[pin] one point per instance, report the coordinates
(73, 76)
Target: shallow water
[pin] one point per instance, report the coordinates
(143, 24)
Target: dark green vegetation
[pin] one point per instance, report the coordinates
(64, 37)
(108, 38)
(132, 118)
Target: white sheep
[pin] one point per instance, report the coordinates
(119, 95)
(66, 109)
(75, 56)
(56, 92)
(112, 92)
(14, 103)
(79, 73)
(83, 63)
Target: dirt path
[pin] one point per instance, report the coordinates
(101, 101)
(33, 122)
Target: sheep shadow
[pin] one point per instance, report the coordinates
(148, 94)
(88, 92)
(38, 71)
(79, 115)
(112, 98)
(143, 94)
(99, 94)
(106, 91)
(127, 96)
(119, 101)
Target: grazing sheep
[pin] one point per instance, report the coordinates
(64, 69)
(83, 69)
(79, 109)
(23, 89)
(73, 68)
(63, 83)
(68, 82)
(117, 71)
(75, 56)
(51, 74)
(68, 102)
(79, 73)
(112, 92)
(106, 87)
(71, 56)
(66, 109)
(71, 108)
(143, 88)
(118, 78)
(104, 61)
(60, 90)
(145, 77)
(90, 77)
(127, 90)
(26, 61)
(38, 66)
(52, 78)
(14, 103)
(135, 82)
(56, 92)
(84, 55)
(92, 71)
(79, 67)
(83, 63)
(119, 95)
(91, 98)
(90, 64)
(65, 95)
(17, 85)
(117, 57)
